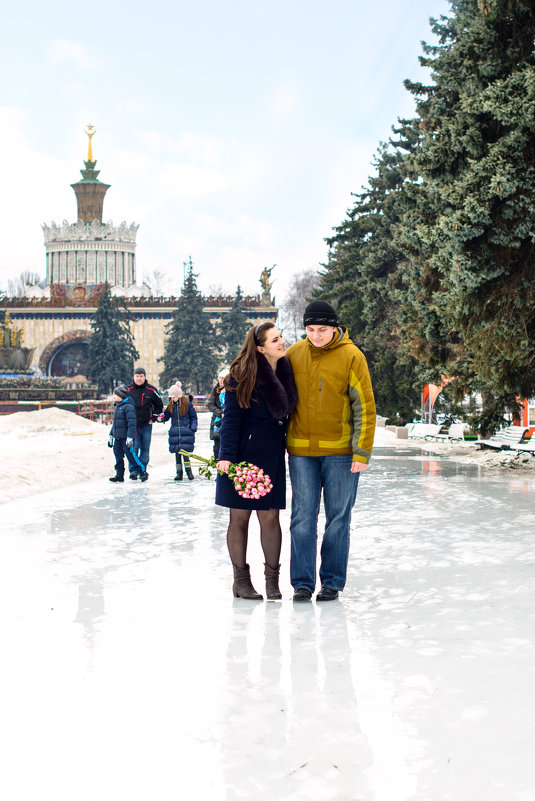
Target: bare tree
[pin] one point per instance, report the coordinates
(158, 283)
(300, 289)
(17, 286)
(214, 290)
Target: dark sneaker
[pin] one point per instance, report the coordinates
(327, 594)
(117, 479)
(133, 476)
(144, 476)
(302, 594)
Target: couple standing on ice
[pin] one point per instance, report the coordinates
(316, 401)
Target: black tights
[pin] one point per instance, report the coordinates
(178, 459)
(270, 535)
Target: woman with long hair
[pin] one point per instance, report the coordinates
(260, 394)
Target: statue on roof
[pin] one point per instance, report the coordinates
(265, 283)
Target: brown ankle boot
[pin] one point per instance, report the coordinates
(272, 582)
(242, 587)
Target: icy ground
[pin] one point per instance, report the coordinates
(129, 673)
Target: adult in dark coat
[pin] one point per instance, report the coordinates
(260, 394)
(216, 405)
(122, 434)
(183, 427)
(148, 406)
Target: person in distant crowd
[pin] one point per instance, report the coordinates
(259, 396)
(216, 405)
(183, 427)
(330, 440)
(148, 405)
(122, 434)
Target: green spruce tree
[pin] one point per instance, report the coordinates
(190, 351)
(434, 267)
(232, 328)
(362, 279)
(111, 348)
(473, 263)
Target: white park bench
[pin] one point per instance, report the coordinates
(526, 447)
(506, 439)
(424, 431)
(455, 433)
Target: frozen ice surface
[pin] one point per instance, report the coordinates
(130, 673)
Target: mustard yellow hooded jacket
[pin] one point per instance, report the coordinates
(335, 410)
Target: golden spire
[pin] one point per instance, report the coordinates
(90, 131)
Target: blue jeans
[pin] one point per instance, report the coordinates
(309, 476)
(142, 445)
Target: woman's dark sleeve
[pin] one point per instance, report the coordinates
(230, 429)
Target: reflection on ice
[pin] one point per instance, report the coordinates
(130, 671)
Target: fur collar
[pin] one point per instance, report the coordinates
(278, 389)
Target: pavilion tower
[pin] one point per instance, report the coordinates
(89, 253)
(90, 191)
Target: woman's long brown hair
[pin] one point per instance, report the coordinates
(243, 368)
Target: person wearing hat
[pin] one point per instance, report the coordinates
(183, 427)
(148, 405)
(216, 405)
(330, 440)
(122, 433)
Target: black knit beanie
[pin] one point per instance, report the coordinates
(319, 313)
(121, 391)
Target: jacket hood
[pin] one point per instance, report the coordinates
(340, 339)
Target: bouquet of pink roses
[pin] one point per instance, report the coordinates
(249, 480)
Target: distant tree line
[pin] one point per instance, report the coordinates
(195, 348)
(433, 268)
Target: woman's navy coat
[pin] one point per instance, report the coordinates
(255, 435)
(183, 428)
(124, 420)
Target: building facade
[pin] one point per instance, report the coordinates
(81, 258)
(58, 328)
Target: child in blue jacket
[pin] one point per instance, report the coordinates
(123, 431)
(183, 427)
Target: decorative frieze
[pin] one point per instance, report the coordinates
(87, 232)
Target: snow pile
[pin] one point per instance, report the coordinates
(511, 459)
(53, 448)
(45, 420)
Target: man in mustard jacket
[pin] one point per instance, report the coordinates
(330, 440)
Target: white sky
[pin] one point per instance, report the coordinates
(232, 132)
